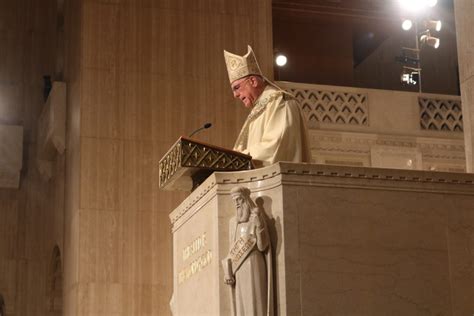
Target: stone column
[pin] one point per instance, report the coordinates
(141, 73)
(464, 9)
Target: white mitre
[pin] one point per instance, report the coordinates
(241, 66)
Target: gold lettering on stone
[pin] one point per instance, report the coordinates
(196, 245)
(195, 266)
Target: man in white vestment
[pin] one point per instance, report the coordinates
(248, 266)
(275, 129)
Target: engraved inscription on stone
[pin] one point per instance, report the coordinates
(197, 246)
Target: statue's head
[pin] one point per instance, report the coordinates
(243, 203)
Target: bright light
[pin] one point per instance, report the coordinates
(412, 5)
(417, 5)
(407, 24)
(281, 60)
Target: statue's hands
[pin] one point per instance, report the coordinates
(229, 280)
(255, 217)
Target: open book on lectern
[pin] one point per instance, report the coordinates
(189, 162)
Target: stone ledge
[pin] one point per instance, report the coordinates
(325, 175)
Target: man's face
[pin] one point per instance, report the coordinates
(246, 90)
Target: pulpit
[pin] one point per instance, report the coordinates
(189, 162)
(345, 241)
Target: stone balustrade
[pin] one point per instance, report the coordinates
(382, 128)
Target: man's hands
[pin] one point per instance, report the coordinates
(255, 218)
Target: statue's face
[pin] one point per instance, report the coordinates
(243, 211)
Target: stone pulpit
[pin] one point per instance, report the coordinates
(344, 241)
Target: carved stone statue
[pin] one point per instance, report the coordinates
(248, 265)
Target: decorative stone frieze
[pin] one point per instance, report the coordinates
(440, 114)
(371, 149)
(333, 106)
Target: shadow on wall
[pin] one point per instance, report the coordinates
(55, 283)
(264, 204)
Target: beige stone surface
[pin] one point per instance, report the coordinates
(30, 213)
(11, 155)
(347, 240)
(464, 9)
(395, 157)
(467, 94)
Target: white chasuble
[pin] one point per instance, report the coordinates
(274, 130)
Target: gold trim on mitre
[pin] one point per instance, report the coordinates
(241, 66)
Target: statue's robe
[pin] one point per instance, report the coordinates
(253, 271)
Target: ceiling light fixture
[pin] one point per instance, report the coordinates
(281, 60)
(412, 5)
(407, 24)
(429, 40)
(434, 25)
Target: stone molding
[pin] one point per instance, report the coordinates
(323, 175)
(361, 143)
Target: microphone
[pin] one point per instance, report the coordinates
(206, 126)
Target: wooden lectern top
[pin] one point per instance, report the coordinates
(189, 162)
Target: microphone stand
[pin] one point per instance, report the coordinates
(206, 126)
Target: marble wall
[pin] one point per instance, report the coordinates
(464, 25)
(31, 217)
(139, 74)
(143, 73)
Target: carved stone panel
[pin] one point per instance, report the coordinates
(396, 157)
(333, 106)
(440, 115)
